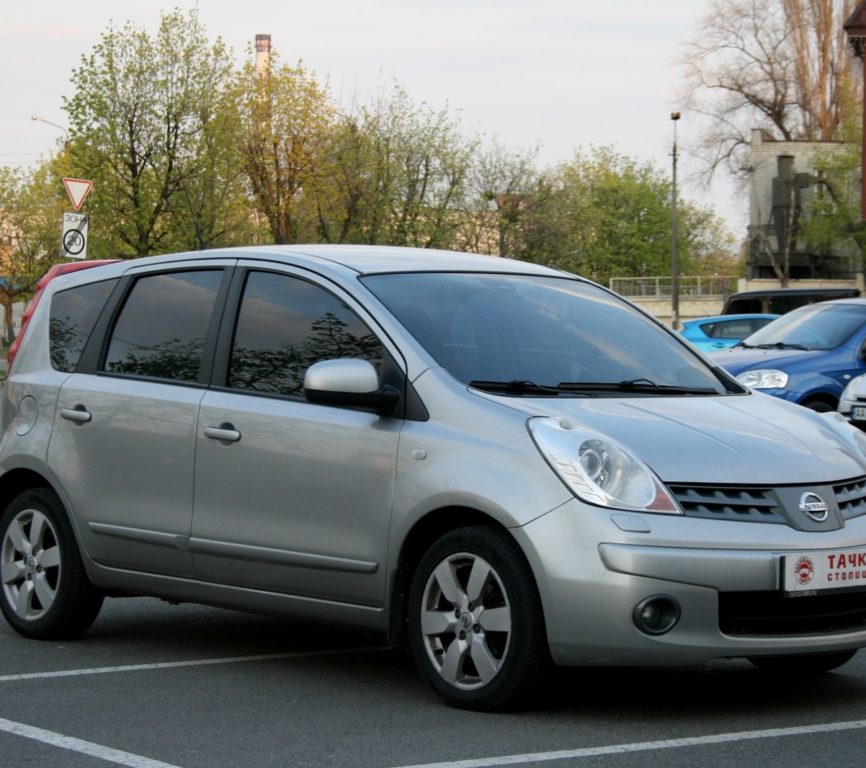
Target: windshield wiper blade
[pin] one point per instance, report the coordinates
(634, 385)
(783, 345)
(514, 387)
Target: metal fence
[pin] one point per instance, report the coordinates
(661, 287)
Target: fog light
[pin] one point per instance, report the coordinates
(657, 614)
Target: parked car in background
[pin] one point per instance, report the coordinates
(852, 403)
(781, 300)
(807, 356)
(497, 463)
(710, 334)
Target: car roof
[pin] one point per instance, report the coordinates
(729, 318)
(794, 292)
(363, 259)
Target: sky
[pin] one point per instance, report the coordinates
(560, 75)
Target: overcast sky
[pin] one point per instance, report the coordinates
(560, 74)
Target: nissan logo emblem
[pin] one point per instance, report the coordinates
(814, 506)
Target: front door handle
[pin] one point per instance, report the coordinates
(225, 433)
(79, 414)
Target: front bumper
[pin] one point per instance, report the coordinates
(592, 574)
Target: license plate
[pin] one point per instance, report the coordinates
(858, 413)
(826, 569)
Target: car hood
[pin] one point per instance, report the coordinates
(750, 439)
(739, 359)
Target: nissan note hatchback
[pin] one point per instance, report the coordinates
(504, 464)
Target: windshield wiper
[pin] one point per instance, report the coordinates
(635, 385)
(783, 345)
(515, 387)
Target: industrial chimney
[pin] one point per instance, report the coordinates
(263, 53)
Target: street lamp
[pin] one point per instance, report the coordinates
(55, 125)
(675, 237)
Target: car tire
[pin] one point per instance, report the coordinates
(44, 591)
(476, 626)
(803, 664)
(821, 406)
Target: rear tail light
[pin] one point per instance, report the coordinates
(55, 271)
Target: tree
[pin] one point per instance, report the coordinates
(287, 116)
(504, 195)
(30, 223)
(778, 65)
(607, 215)
(138, 119)
(394, 172)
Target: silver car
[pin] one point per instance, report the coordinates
(507, 466)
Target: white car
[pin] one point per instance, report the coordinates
(852, 403)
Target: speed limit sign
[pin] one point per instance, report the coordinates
(73, 239)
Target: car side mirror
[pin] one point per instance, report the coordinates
(349, 383)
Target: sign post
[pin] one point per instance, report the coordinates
(78, 190)
(73, 239)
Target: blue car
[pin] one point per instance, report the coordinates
(710, 334)
(806, 356)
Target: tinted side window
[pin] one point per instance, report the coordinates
(73, 315)
(285, 325)
(732, 329)
(746, 306)
(162, 327)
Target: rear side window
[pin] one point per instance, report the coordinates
(162, 328)
(285, 325)
(73, 314)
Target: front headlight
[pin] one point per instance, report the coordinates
(764, 378)
(598, 470)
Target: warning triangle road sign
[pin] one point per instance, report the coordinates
(77, 189)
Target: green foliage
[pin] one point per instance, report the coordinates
(188, 151)
(832, 216)
(145, 119)
(607, 215)
(285, 119)
(30, 223)
(395, 173)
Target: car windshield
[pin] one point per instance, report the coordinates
(817, 326)
(536, 335)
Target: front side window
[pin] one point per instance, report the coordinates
(73, 314)
(286, 324)
(162, 327)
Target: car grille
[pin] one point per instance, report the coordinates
(749, 504)
(771, 613)
(756, 504)
(851, 497)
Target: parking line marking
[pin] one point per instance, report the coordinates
(645, 746)
(175, 664)
(88, 748)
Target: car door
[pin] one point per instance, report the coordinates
(124, 435)
(290, 496)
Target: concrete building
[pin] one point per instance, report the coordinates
(785, 183)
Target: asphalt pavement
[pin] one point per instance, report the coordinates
(153, 685)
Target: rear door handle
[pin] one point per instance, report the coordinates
(225, 433)
(79, 414)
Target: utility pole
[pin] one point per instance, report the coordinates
(675, 237)
(855, 28)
